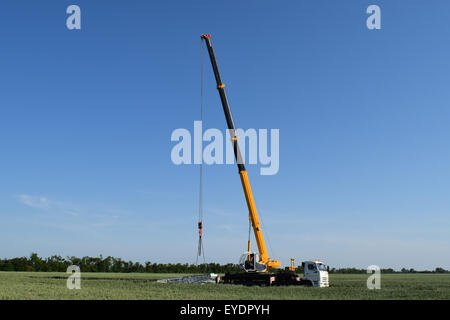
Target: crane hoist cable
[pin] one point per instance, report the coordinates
(200, 249)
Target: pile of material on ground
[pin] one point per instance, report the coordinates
(203, 278)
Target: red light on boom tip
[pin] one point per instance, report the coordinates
(206, 36)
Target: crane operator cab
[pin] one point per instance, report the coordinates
(316, 273)
(249, 262)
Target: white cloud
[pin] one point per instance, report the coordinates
(68, 213)
(35, 201)
(226, 227)
(44, 203)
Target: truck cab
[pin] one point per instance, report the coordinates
(316, 273)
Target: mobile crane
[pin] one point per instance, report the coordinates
(259, 268)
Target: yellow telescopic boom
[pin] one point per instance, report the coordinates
(263, 256)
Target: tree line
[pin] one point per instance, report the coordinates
(387, 270)
(57, 263)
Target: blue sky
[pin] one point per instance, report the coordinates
(86, 118)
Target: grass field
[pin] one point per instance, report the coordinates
(41, 285)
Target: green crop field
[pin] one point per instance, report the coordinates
(42, 285)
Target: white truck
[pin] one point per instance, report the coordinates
(315, 274)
